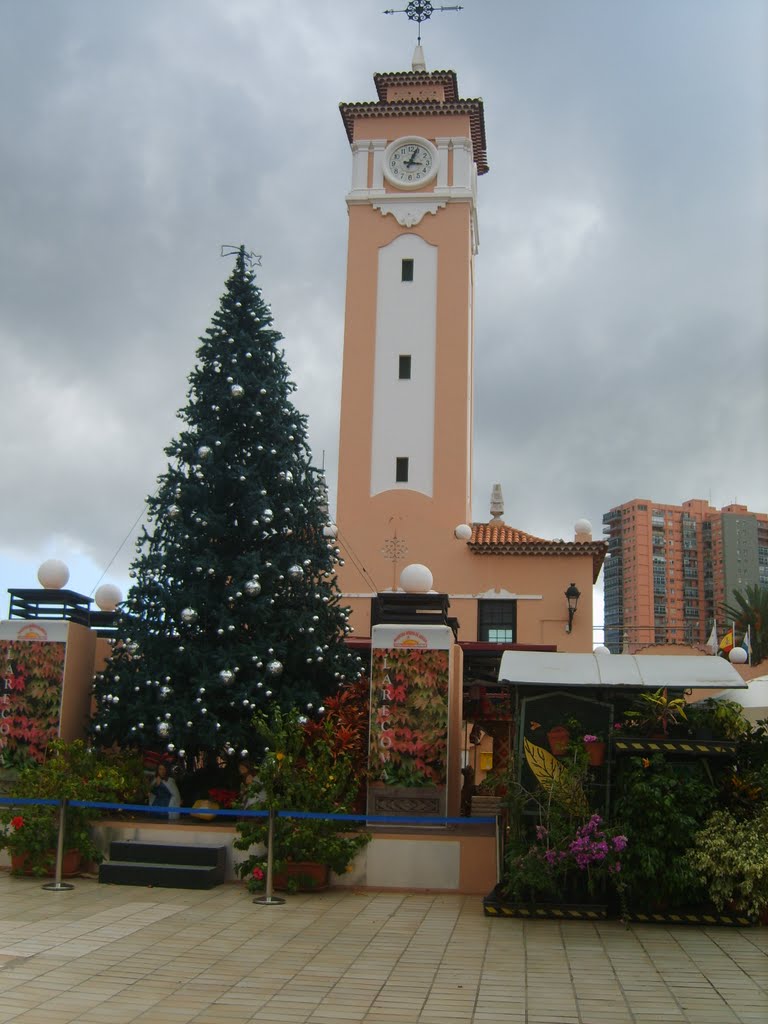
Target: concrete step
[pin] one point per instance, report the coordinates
(173, 866)
(168, 876)
(168, 853)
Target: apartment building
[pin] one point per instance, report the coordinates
(670, 568)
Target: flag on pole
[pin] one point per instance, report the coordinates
(712, 643)
(746, 643)
(726, 644)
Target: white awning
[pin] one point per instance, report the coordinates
(647, 671)
(753, 699)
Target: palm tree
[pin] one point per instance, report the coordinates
(750, 609)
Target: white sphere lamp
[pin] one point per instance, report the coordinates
(462, 532)
(108, 597)
(583, 528)
(737, 656)
(53, 574)
(601, 649)
(416, 579)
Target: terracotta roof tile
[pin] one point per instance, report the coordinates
(447, 79)
(500, 533)
(403, 108)
(500, 539)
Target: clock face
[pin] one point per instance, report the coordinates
(410, 163)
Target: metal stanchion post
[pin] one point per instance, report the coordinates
(268, 900)
(57, 885)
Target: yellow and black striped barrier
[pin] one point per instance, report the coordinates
(534, 912)
(645, 745)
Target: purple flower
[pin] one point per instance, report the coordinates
(620, 843)
(589, 738)
(541, 832)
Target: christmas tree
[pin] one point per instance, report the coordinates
(234, 602)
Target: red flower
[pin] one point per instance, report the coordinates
(223, 797)
(258, 874)
(17, 822)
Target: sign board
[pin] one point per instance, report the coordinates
(410, 684)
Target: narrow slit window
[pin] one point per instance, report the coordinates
(407, 271)
(404, 368)
(401, 470)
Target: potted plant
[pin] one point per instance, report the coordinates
(731, 855)
(595, 745)
(718, 719)
(70, 771)
(656, 712)
(300, 772)
(558, 738)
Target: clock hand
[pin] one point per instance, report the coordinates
(412, 161)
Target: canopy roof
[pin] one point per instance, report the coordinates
(756, 696)
(647, 671)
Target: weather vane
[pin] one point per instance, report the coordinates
(421, 10)
(251, 259)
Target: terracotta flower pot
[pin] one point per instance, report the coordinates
(596, 752)
(301, 875)
(558, 738)
(70, 865)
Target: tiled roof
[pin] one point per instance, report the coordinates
(500, 533)
(447, 79)
(404, 108)
(500, 539)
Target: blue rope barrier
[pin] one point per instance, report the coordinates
(24, 801)
(243, 812)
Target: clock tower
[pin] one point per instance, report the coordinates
(405, 447)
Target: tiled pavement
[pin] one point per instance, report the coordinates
(113, 955)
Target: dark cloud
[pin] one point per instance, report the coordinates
(621, 318)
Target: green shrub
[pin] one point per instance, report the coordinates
(731, 854)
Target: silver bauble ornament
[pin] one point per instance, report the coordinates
(226, 676)
(274, 668)
(188, 615)
(237, 391)
(163, 728)
(252, 587)
(174, 511)
(204, 452)
(295, 572)
(267, 515)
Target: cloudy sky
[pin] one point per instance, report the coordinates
(621, 304)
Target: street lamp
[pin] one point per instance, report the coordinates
(572, 596)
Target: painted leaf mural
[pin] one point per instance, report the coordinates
(544, 765)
